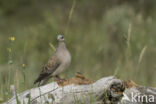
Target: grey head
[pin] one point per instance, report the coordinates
(60, 38)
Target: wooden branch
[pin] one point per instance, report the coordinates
(108, 90)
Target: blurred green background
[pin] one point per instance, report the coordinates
(105, 37)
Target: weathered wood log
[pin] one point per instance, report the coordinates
(69, 94)
(108, 90)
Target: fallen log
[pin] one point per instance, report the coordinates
(85, 93)
(79, 90)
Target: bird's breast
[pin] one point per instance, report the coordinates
(65, 59)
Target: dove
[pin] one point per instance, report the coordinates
(57, 64)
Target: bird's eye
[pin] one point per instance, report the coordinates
(62, 37)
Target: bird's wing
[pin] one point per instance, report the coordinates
(49, 68)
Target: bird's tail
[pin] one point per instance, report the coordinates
(41, 82)
(36, 81)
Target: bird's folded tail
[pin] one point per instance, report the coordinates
(41, 77)
(43, 82)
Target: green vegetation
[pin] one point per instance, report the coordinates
(105, 38)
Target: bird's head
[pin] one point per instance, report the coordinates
(60, 38)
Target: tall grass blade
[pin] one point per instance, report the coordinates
(140, 59)
(70, 16)
(129, 35)
(29, 99)
(17, 100)
(142, 54)
(52, 46)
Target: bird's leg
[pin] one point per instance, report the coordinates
(58, 79)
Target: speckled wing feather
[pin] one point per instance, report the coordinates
(49, 68)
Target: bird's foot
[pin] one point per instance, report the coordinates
(59, 80)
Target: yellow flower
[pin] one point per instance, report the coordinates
(9, 49)
(23, 65)
(12, 38)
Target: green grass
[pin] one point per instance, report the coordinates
(116, 42)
